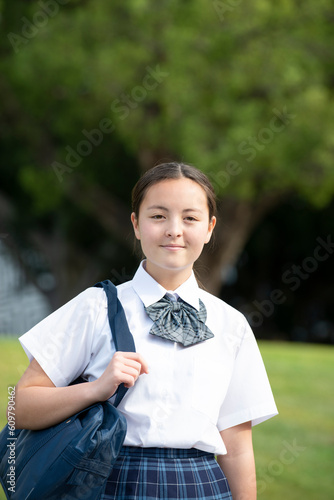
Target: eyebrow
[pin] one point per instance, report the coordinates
(159, 207)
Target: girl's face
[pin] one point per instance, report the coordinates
(173, 226)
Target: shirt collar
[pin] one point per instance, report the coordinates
(149, 290)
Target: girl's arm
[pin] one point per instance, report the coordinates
(39, 404)
(238, 464)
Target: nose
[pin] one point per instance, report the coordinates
(174, 228)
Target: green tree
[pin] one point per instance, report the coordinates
(96, 92)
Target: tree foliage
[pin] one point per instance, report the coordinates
(95, 92)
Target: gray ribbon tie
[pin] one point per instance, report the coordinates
(178, 321)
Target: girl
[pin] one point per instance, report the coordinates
(197, 381)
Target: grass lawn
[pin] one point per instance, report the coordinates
(295, 450)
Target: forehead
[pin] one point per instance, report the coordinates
(176, 192)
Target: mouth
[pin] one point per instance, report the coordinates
(173, 247)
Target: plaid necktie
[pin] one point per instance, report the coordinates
(178, 321)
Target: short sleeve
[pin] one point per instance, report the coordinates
(249, 396)
(63, 342)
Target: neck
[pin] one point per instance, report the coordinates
(167, 278)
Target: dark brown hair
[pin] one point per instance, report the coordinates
(172, 170)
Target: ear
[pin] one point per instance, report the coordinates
(211, 227)
(135, 225)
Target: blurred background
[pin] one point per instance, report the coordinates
(93, 93)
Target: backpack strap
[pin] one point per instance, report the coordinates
(121, 334)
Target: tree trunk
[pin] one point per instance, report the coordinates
(236, 220)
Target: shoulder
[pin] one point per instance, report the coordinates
(89, 300)
(91, 296)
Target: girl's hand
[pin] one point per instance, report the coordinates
(124, 367)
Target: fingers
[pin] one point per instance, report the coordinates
(124, 367)
(133, 359)
(127, 367)
(142, 362)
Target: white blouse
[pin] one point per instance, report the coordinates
(190, 394)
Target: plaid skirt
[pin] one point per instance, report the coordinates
(166, 474)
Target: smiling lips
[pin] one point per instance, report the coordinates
(173, 247)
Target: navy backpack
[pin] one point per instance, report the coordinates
(73, 459)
